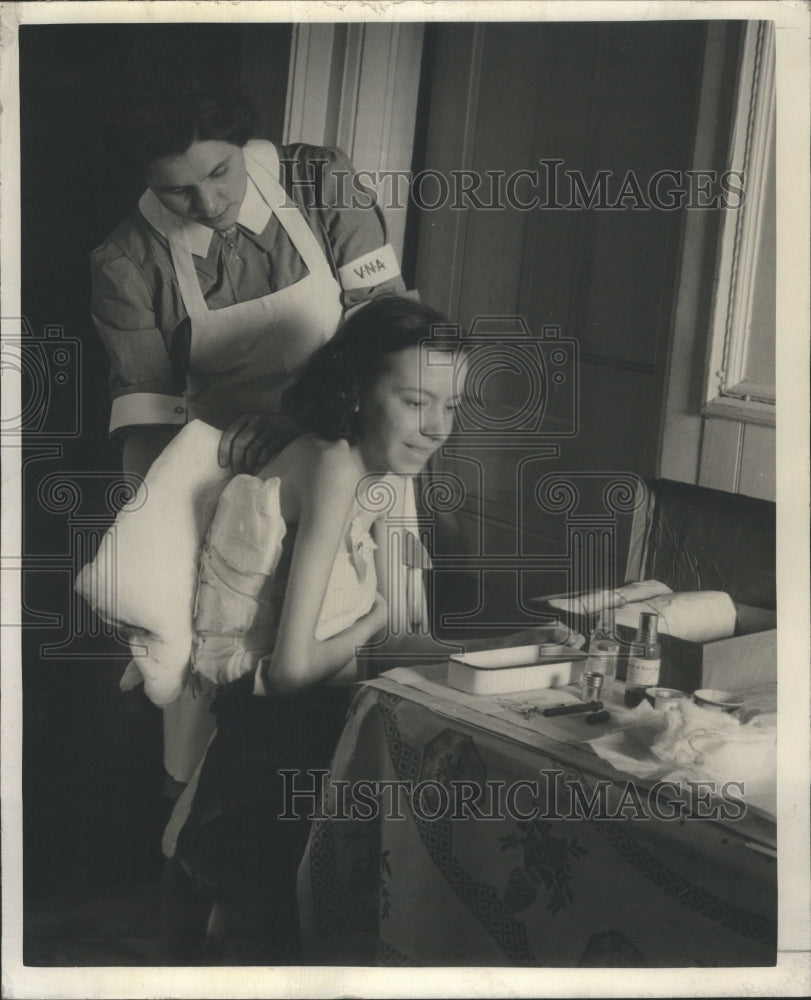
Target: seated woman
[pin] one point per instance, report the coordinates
(238, 261)
(376, 405)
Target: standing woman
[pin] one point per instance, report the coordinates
(239, 260)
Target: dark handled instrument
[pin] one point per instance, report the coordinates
(588, 706)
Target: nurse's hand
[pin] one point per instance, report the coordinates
(253, 439)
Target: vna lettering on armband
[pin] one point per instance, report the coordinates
(370, 269)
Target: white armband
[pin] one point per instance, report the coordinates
(371, 269)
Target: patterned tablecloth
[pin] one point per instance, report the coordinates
(579, 868)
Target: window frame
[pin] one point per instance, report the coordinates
(728, 392)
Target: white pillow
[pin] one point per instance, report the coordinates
(144, 574)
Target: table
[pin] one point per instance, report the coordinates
(431, 881)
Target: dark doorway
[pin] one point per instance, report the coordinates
(92, 772)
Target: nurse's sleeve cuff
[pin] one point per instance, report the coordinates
(371, 269)
(145, 408)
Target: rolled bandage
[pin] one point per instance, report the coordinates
(698, 616)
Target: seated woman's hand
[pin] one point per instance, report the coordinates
(540, 634)
(253, 439)
(534, 636)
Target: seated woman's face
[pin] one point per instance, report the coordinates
(205, 184)
(410, 410)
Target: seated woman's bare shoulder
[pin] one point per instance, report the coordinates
(311, 468)
(309, 455)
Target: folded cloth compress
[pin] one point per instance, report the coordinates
(595, 601)
(241, 584)
(699, 616)
(144, 575)
(234, 615)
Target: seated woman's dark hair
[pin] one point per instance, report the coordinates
(170, 117)
(326, 398)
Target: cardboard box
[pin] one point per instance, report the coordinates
(693, 538)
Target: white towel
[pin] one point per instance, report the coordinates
(718, 747)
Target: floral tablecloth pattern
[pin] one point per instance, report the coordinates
(554, 892)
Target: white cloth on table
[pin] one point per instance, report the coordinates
(689, 742)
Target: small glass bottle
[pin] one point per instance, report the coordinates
(644, 659)
(604, 650)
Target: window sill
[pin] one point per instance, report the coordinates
(748, 411)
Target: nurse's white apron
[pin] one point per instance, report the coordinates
(241, 355)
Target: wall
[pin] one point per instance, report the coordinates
(355, 86)
(611, 98)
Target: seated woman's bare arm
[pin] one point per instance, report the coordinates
(326, 501)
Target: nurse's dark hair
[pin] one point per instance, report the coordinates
(327, 397)
(171, 116)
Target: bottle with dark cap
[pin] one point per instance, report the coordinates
(604, 650)
(644, 659)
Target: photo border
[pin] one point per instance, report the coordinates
(791, 975)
